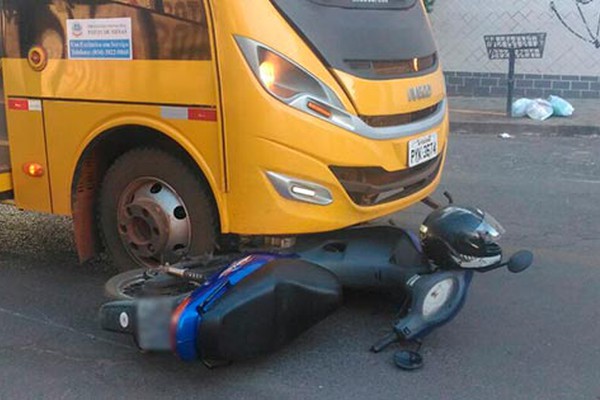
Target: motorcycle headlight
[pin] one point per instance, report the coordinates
(437, 297)
(436, 300)
(293, 85)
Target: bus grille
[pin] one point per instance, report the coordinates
(373, 186)
(382, 121)
(389, 69)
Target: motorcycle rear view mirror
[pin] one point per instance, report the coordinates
(520, 261)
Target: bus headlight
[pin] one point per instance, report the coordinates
(293, 85)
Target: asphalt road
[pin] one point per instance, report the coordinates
(531, 336)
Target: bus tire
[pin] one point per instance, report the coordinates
(153, 209)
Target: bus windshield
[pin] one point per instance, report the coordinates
(354, 35)
(367, 4)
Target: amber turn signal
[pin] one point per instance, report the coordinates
(319, 109)
(37, 58)
(33, 170)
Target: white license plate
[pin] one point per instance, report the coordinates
(422, 149)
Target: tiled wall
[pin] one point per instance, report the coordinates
(492, 84)
(570, 67)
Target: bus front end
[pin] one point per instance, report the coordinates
(335, 111)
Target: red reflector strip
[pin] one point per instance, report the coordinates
(18, 104)
(175, 322)
(24, 105)
(189, 114)
(202, 114)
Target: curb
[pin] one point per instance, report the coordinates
(496, 128)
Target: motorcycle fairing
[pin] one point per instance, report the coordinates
(267, 310)
(254, 307)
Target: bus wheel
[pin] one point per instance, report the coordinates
(154, 209)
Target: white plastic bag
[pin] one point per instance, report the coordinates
(540, 110)
(562, 108)
(519, 107)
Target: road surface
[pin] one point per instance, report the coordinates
(532, 336)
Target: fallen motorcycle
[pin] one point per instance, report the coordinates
(241, 306)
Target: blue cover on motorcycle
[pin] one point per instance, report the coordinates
(267, 310)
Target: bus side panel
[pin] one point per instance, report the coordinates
(137, 81)
(171, 64)
(170, 52)
(28, 145)
(5, 178)
(71, 126)
(5, 175)
(6, 186)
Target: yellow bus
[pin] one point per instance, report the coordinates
(161, 126)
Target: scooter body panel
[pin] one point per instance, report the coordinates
(188, 315)
(370, 257)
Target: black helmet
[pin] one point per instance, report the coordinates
(461, 237)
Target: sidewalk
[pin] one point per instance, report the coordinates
(488, 115)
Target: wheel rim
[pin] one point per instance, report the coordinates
(140, 286)
(153, 222)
